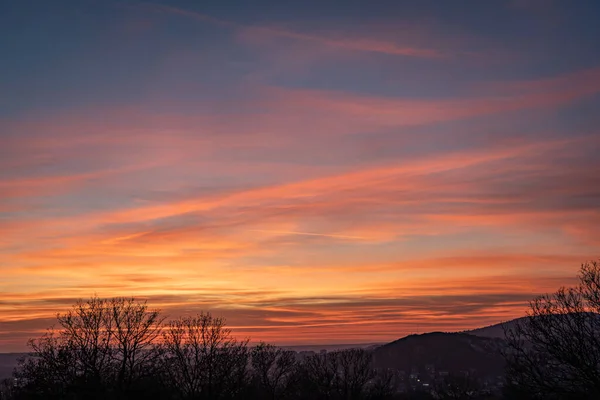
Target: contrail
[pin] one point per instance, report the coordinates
(309, 234)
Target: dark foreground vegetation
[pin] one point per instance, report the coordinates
(121, 349)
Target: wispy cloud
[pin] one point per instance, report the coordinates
(371, 45)
(308, 234)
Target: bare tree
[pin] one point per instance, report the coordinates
(203, 359)
(273, 369)
(52, 370)
(86, 336)
(344, 375)
(554, 353)
(132, 330)
(102, 346)
(318, 374)
(354, 371)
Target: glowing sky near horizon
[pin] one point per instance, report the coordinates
(315, 172)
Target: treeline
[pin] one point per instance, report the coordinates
(121, 349)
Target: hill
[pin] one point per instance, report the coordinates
(495, 331)
(451, 352)
(330, 347)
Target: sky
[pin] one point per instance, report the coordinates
(314, 172)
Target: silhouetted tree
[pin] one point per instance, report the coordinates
(273, 370)
(202, 360)
(318, 375)
(51, 372)
(354, 372)
(102, 349)
(382, 386)
(554, 353)
(340, 375)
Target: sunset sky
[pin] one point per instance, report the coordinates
(314, 171)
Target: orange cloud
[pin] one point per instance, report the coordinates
(378, 111)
